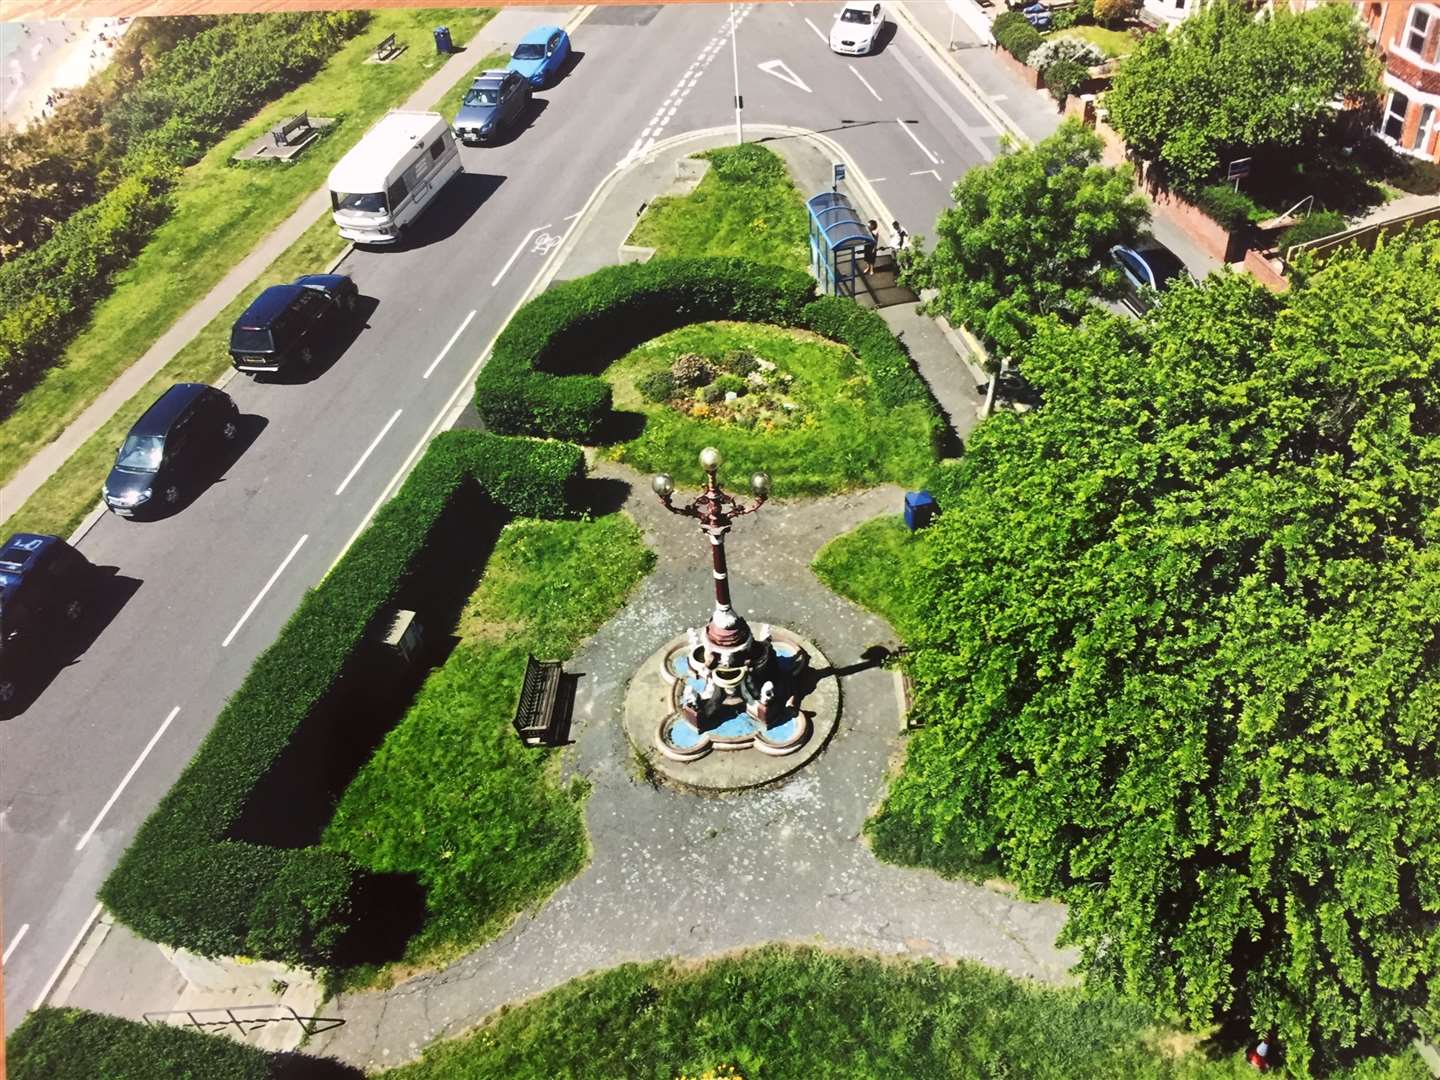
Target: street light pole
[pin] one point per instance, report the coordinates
(735, 63)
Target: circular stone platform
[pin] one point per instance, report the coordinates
(650, 699)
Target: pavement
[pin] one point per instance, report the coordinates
(277, 519)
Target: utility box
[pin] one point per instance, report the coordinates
(405, 636)
(920, 507)
(443, 45)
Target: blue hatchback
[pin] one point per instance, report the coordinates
(541, 54)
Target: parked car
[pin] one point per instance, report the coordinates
(540, 55)
(44, 583)
(1146, 272)
(857, 28)
(285, 324)
(172, 446)
(1038, 16)
(494, 101)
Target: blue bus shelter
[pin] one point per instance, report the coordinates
(837, 243)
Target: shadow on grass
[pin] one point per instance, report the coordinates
(620, 426)
(600, 495)
(389, 911)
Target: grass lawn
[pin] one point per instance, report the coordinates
(836, 438)
(221, 211)
(63, 500)
(1112, 43)
(745, 205)
(786, 1012)
(870, 565)
(452, 796)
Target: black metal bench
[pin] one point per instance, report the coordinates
(295, 124)
(543, 709)
(386, 49)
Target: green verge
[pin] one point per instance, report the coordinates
(220, 212)
(834, 397)
(499, 831)
(1113, 43)
(71, 493)
(746, 205)
(784, 1012)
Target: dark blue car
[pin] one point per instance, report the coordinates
(541, 54)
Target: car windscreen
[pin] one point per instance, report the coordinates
(246, 340)
(851, 15)
(529, 51)
(363, 203)
(1164, 265)
(141, 453)
(482, 95)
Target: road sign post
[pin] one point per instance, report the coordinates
(839, 175)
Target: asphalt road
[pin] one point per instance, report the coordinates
(193, 599)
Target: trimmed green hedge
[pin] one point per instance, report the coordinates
(1015, 35)
(183, 882)
(530, 385)
(73, 1044)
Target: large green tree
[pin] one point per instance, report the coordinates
(1026, 235)
(1228, 83)
(1181, 656)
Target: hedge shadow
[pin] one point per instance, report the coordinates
(189, 879)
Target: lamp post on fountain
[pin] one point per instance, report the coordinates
(727, 635)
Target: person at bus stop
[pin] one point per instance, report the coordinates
(868, 258)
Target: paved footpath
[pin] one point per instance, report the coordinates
(680, 875)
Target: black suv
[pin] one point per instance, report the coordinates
(43, 585)
(285, 324)
(169, 448)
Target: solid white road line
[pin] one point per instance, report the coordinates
(127, 778)
(818, 32)
(60, 967)
(511, 262)
(925, 149)
(453, 337)
(929, 172)
(261, 596)
(986, 153)
(854, 71)
(371, 448)
(13, 942)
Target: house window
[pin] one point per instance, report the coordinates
(1422, 129)
(1415, 32)
(1394, 124)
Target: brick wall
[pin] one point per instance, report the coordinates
(1026, 74)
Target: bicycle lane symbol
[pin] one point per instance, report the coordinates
(545, 243)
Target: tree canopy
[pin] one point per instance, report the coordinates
(1180, 664)
(1226, 83)
(1026, 235)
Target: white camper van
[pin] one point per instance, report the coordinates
(391, 174)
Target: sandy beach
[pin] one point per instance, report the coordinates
(37, 59)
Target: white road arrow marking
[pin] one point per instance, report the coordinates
(782, 71)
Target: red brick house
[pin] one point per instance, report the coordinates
(1407, 36)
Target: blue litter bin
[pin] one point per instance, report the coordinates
(442, 40)
(920, 507)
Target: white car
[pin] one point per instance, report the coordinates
(856, 28)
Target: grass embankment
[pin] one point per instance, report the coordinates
(836, 437)
(745, 205)
(452, 796)
(785, 1012)
(221, 212)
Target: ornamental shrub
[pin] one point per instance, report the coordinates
(1073, 49)
(730, 384)
(740, 362)
(1064, 77)
(1311, 227)
(1232, 209)
(1015, 35)
(185, 880)
(540, 381)
(711, 394)
(656, 386)
(691, 370)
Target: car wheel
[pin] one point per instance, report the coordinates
(74, 610)
(230, 430)
(172, 494)
(351, 302)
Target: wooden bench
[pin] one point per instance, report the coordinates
(290, 127)
(386, 49)
(543, 705)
